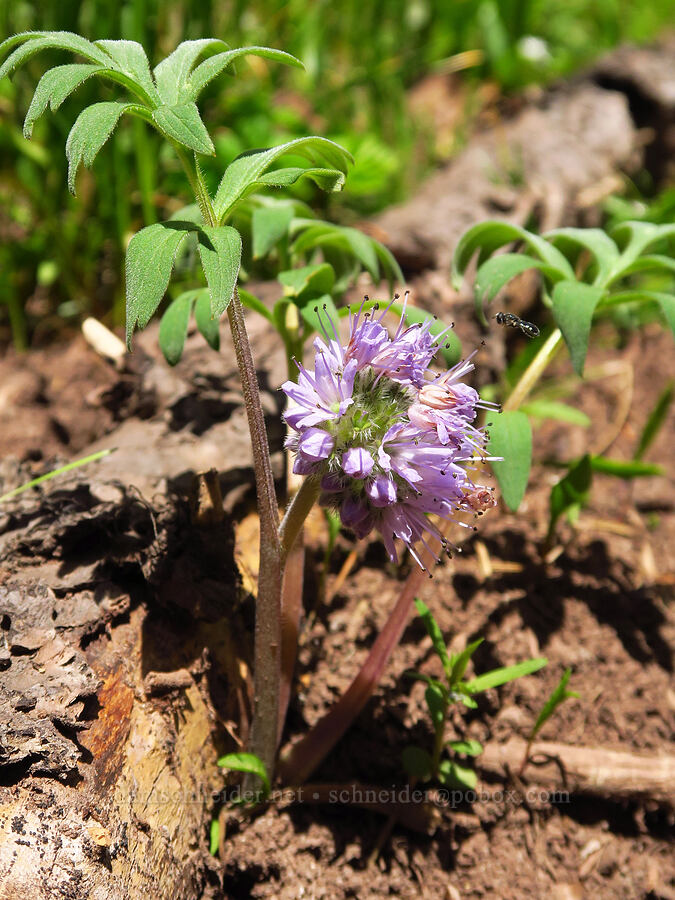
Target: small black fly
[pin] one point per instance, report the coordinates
(528, 328)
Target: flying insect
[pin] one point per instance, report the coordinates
(528, 328)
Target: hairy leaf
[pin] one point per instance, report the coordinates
(184, 124)
(130, 59)
(91, 130)
(210, 68)
(173, 72)
(54, 87)
(31, 42)
(150, 257)
(573, 307)
(220, 252)
(173, 328)
(511, 439)
(247, 169)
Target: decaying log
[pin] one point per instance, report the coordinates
(613, 774)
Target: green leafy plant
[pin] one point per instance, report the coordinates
(440, 695)
(558, 696)
(586, 274)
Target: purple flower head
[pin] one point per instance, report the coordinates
(388, 438)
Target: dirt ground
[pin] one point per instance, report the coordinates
(128, 579)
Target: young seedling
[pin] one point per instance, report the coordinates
(440, 695)
(558, 696)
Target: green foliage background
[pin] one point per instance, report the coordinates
(61, 257)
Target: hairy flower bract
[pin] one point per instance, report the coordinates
(389, 439)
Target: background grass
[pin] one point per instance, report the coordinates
(61, 257)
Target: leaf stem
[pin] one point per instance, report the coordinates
(296, 513)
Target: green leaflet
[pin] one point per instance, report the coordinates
(220, 252)
(183, 123)
(573, 307)
(511, 439)
(91, 130)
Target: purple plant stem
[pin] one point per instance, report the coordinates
(267, 647)
(305, 756)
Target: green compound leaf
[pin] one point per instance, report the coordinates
(173, 328)
(184, 124)
(417, 763)
(149, 262)
(54, 87)
(573, 307)
(247, 762)
(490, 236)
(207, 325)
(602, 248)
(497, 677)
(220, 252)
(243, 176)
(452, 774)
(511, 440)
(435, 634)
(268, 225)
(91, 130)
(558, 696)
(212, 67)
(571, 492)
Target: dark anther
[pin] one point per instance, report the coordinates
(316, 309)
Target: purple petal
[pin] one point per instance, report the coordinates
(357, 462)
(381, 491)
(315, 444)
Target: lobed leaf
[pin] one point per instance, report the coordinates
(183, 123)
(91, 130)
(212, 67)
(220, 252)
(573, 307)
(500, 676)
(149, 262)
(247, 169)
(173, 328)
(511, 440)
(54, 87)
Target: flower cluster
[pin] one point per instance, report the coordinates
(387, 437)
